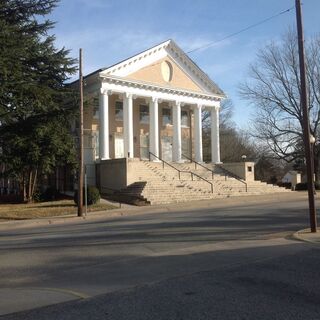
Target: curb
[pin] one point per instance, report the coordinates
(95, 215)
(298, 235)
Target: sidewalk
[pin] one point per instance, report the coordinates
(308, 236)
(130, 210)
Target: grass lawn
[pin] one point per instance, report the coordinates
(44, 209)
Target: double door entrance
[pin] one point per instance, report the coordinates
(166, 147)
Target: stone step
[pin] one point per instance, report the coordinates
(162, 185)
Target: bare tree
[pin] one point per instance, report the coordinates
(225, 117)
(233, 142)
(274, 90)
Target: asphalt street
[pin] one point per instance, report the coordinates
(226, 259)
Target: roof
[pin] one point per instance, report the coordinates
(172, 50)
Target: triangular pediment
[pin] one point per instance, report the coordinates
(165, 65)
(165, 72)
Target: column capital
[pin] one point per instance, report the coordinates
(106, 92)
(178, 103)
(154, 99)
(198, 106)
(127, 95)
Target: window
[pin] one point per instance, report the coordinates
(119, 111)
(184, 118)
(95, 108)
(166, 71)
(144, 113)
(166, 116)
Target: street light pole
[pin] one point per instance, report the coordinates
(80, 176)
(306, 125)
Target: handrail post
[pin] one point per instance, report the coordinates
(179, 174)
(211, 188)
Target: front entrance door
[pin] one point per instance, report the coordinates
(118, 145)
(185, 147)
(144, 146)
(166, 148)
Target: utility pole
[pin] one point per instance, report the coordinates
(306, 125)
(80, 176)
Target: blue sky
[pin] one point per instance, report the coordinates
(112, 30)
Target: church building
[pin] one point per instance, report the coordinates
(150, 106)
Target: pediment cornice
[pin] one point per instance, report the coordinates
(126, 83)
(167, 48)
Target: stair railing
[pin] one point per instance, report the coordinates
(168, 164)
(198, 164)
(232, 175)
(192, 174)
(202, 178)
(226, 172)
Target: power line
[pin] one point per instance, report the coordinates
(242, 30)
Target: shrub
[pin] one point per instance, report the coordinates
(37, 196)
(50, 194)
(301, 186)
(286, 185)
(93, 195)
(304, 186)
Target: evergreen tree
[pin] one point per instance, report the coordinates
(35, 105)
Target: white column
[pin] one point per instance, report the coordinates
(128, 125)
(198, 133)
(215, 143)
(154, 127)
(176, 115)
(104, 125)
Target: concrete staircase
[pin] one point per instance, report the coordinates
(154, 183)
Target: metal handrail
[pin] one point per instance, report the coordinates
(170, 165)
(179, 171)
(199, 164)
(233, 175)
(227, 172)
(202, 178)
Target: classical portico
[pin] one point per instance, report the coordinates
(149, 106)
(130, 90)
(145, 112)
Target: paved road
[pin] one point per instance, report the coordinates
(226, 259)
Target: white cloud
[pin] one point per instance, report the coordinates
(95, 4)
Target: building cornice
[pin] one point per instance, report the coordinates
(156, 88)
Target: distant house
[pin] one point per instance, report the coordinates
(292, 177)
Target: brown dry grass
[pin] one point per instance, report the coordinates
(44, 209)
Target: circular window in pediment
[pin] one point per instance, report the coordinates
(166, 71)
